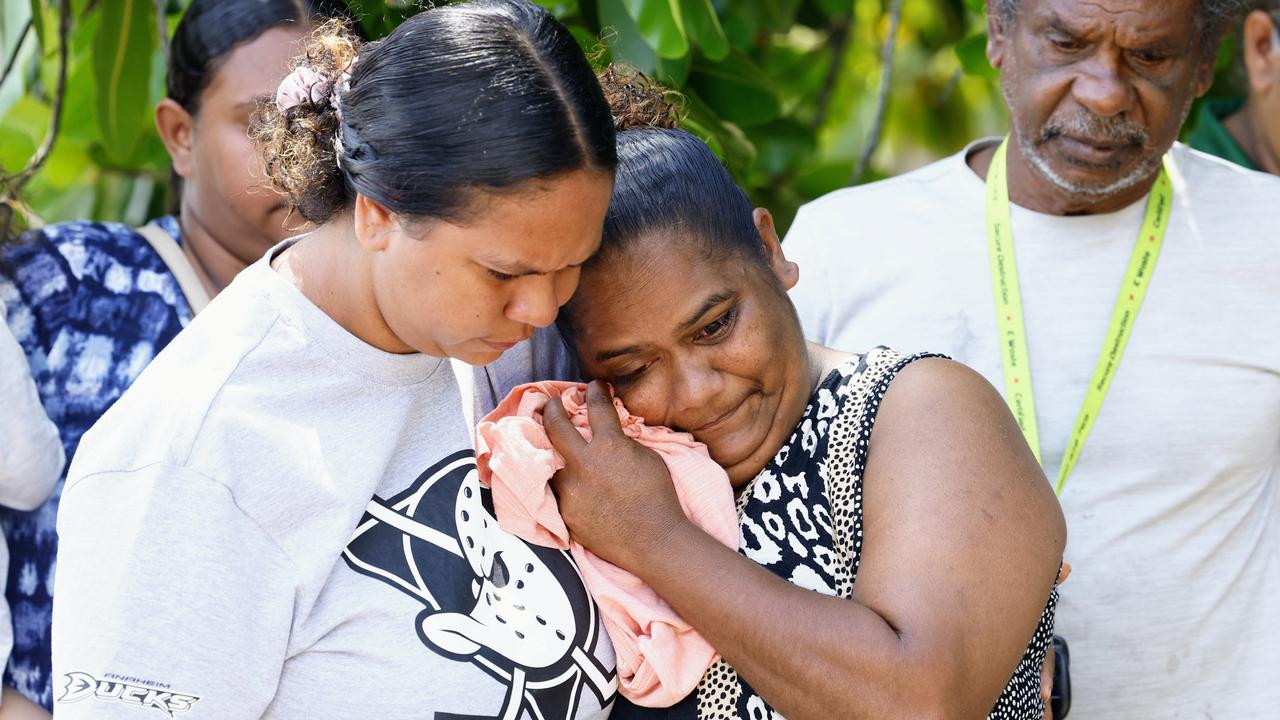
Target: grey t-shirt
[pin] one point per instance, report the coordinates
(278, 520)
(1173, 512)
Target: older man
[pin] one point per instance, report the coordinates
(1124, 292)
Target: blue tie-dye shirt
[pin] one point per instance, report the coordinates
(91, 304)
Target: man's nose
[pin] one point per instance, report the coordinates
(1103, 86)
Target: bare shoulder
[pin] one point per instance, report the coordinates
(943, 437)
(942, 399)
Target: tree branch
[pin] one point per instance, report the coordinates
(13, 184)
(886, 82)
(17, 49)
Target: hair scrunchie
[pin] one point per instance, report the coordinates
(303, 85)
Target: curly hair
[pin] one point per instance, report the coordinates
(297, 144)
(668, 184)
(637, 101)
(668, 180)
(460, 99)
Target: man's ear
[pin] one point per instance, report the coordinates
(175, 126)
(997, 36)
(787, 272)
(1261, 54)
(373, 224)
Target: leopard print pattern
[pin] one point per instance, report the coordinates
(801, 518)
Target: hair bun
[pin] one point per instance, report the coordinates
(295, 130)
(637, 101)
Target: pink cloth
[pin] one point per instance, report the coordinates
(661, 658)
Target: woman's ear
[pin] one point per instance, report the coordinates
(175, 126)
(1261, 54)
(787, 272)
(373, 224)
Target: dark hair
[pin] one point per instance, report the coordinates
(211, 29)
(479, 96)
(206, 35)
(667, 180)
(668, 183)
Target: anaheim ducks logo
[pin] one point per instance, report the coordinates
(487, 598)
(82, 685)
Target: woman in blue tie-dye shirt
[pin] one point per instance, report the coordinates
(92, 303)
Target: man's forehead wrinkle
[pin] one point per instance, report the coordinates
(1129, 25)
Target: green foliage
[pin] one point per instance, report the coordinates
(122, 69)
(784, 91)
(107, 162)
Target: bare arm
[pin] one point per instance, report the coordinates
(962, 540)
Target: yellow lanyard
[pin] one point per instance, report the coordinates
(1013, 334)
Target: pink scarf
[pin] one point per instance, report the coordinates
(661, 658)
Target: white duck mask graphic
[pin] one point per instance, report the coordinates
(489, 598)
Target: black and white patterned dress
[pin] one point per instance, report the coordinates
(801, 518)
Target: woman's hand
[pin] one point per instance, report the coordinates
(615, 495)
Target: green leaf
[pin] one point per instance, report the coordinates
(661, 25)
(69, 163)
(704, 133)
(736, 89)
(379, 17)
(977, 6)
(740, 30)
(79, 108)
(674, 73)
(122, 66)
(823, 177)
(16, 148)
(735, 149)
(619, 32)
(560, 8)
(37, 24)
(972, 52)
(31, 118)
(703, 27)
(782, 144)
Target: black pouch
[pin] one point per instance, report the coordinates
(1060, 696)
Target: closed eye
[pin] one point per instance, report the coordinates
(500, 276)
(628, 377)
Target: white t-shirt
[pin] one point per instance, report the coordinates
(31, 454)
(278, 520)
(1173, 609)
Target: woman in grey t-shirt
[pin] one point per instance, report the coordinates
(246, 533)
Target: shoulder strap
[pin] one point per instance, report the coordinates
(173, 258)
(847, 445)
